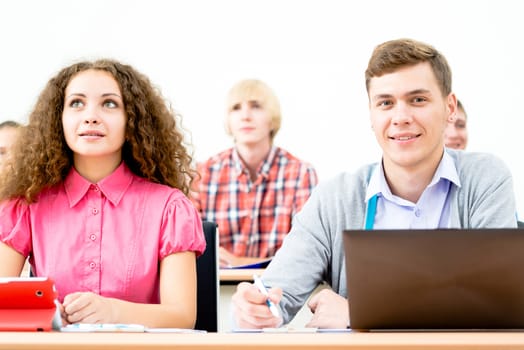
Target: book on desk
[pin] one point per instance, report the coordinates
(258, 265)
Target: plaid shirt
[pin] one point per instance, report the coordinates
(253, 217)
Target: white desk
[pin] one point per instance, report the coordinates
(259, 341)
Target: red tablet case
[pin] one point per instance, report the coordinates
(27, 304)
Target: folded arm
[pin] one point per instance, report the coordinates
(177, 308)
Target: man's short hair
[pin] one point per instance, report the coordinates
(394, 54)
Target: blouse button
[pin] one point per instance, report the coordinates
(92, 265)
(95, 211)
(92, 237)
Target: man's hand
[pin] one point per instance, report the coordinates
(329, 309)
(250, 308)
(228, 259)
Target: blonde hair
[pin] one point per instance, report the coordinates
(255, 90)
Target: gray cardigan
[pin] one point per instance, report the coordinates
(312, 252)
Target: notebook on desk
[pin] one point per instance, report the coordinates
(435, 279)
(28, 304)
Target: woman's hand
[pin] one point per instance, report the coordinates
(88, 307)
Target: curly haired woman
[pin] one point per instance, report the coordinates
(95, 195)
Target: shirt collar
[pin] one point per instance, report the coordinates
(445, 170)
(113, 186)
(263, 169)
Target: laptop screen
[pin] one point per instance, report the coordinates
(435, 279)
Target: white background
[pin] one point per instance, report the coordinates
(313, 53)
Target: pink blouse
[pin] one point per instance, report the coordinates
(108, 238)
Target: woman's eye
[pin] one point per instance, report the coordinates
(76, 104)
(110, 104)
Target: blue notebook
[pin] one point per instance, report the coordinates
(259, 265)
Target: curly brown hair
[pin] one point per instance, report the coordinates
(154, 146)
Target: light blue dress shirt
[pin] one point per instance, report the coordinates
(431, 210)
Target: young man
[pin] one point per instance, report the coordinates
(417, 184)
(9, 131)
(456, 134)
(253, 189)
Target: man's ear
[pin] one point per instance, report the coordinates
(451, 106)
(227, 128)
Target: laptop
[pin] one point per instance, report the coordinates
(439, 279)
(28, 304)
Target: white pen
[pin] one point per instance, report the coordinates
(260, 285)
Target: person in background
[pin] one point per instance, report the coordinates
(96, 197)
(253, 189)
(418, 183)
(9, 131)
(456, 134)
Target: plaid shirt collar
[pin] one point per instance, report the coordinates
(263, 169)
